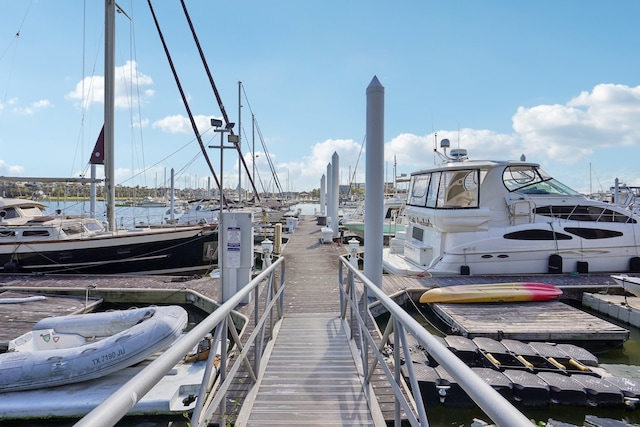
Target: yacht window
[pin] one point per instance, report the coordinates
(35, 233)
(537, 235)
(584, 213)
(417, 233)
(593, 233)
(418, 190)
(93, 226)
(71, 229)
(432, 196)
(9, 213)
(7, 233)
(533, 180)
(459, 189)
(31, 211)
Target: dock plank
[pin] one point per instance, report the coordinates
(533, 321)
(19, 318)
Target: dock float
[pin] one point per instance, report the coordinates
(625, 309)
(552, 321)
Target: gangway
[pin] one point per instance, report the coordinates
(310, 377)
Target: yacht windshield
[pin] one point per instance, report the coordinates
(533, 180)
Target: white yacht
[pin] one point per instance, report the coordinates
(507, 217)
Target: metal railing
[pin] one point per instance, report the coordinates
(212, 391)
(355, 310)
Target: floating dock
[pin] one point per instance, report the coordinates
(552, 321)
(625, 309)
(530, 374)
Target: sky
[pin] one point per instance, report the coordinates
(556, 81)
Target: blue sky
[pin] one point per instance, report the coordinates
(556, 81)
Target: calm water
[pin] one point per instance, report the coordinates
(127, 216)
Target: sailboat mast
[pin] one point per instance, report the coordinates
(109, 107)
(240, 142)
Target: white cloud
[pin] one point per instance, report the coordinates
(181, 124)
(605, 117)
(10, 170)
(30, 109)
(128, 80)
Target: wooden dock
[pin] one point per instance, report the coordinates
(15, 325)
(551, 321)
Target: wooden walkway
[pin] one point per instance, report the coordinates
(311, 376)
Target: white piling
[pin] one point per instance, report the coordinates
(322, 194)
(329, 188)
(335, 193)
(374, 183)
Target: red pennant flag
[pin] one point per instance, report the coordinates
(97, 156)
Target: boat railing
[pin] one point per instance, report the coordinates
(211, 397)
(355, 310)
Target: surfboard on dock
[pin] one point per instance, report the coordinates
(492, 292)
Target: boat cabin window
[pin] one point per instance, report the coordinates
(31, 211)
(72, 229)
(584, 213)
(93, 226)
(35, 233)
(527, 179)
(8, 213)
(418, 191)
(7, 233)
(446, 190)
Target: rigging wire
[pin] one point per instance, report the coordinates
(215, 91)
(134, 75)
(184, 100)
(352, 178)
(264, 147)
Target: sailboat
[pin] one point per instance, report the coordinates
(32, 241)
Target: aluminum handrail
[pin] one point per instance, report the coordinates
(500, 410)
(114, 408)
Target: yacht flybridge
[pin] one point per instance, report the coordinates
(507, 217)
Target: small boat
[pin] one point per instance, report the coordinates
(492, 292)
(393, 219)
(70, 349)
(628, 283)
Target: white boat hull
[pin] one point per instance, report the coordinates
(170, 396)
(628, 283)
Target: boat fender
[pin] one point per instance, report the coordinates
(11, 267)
(555, 363)
(492, 359)
(578, 365)
(583, 267)
(465, 270)
(524, 361)
(555, 264)
(634, 265)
